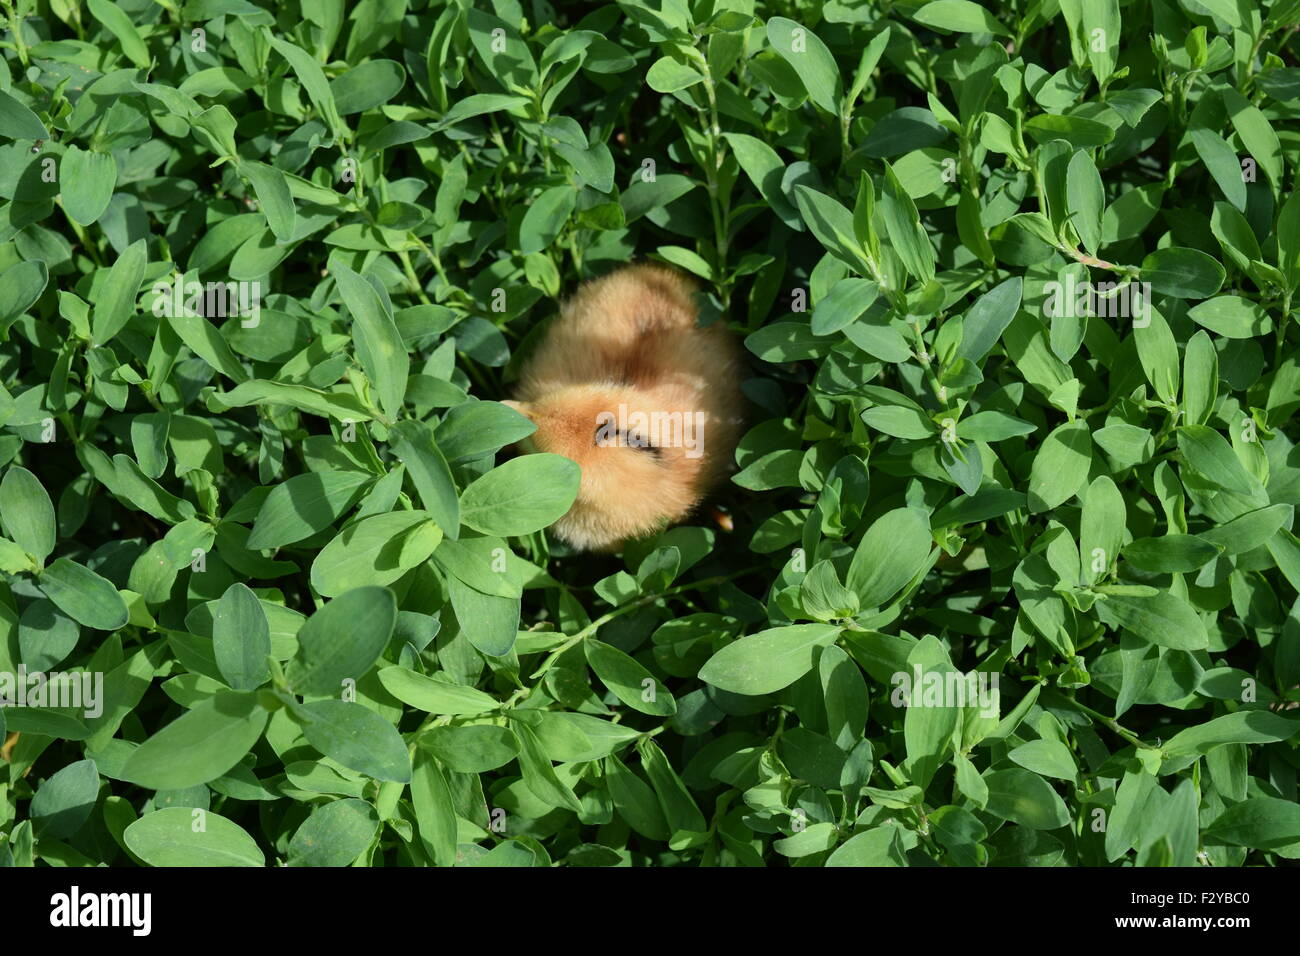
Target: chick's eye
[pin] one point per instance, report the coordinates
(618, 438)
(641, 443)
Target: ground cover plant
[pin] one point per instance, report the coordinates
(1015, 286)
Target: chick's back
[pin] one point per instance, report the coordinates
(637, 327)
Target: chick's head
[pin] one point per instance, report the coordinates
(640, 459)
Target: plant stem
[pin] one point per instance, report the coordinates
(721, 215)
(16, 28)
(1114, 725)
(412, 278)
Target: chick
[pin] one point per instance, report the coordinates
(648, 404)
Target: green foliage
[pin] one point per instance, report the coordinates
(1008, 573)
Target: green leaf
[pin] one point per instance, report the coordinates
(241, 638)
(1076, 131)
(1158, 353)
(200, 745)
(1210, 454)
(1232, 317)
(846, 695)
(928, 724)
(379, 345)
(898, 421)
(342, 640)
(765, 662)
(88, 180)
(815, 839)
(594, 165)
(1221, 161)
(1026, 799)
(811, 59)
(1101, 529)
(1265, 822)
(1248, 531)
(338, 405)
(21, 286)
(545, 219)
(666, 75)
(765, 169)
(635, 801)
(413, 443)
(335, 834)
(312, 77)
(1256, 134)
(903, 225)
(539, 775)
(475, 748)
(480, 104)
(367, 85)
(358, 738)
(681, 812)
(304, 505)
(848, 300)
(13, 559)
(521, 496)
(1132, 798)
(480, 428)
(19, 122)
(1171, 553)
(831, 223)
(988, 318)
(1162, 619)
(26, 512)
(202, 336)
(65, 800)
(434, 696)
(629, 681)
(959, 16)
(903, 131)
(1047, 758)
(1200, 378)
(879, 846)
(273, 196)
(1085, 199)
(179, 836)
(1183, 273)
(376, 550)
(1060, 466)
(481, 563)
(116, 300)
(893, 550)
(435, 813)
(83, 595)
(1243, 727)
(1288, 240)
(120, 25)
(822, 595)
(490, 622)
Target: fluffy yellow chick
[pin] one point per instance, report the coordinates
(648, 404)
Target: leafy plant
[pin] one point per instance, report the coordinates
(1006, 573)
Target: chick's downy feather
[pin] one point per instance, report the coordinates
(647, 403)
